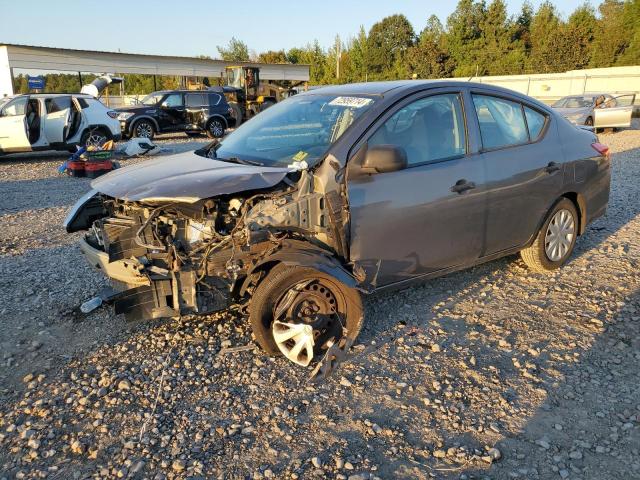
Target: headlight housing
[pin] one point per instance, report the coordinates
(124, 116)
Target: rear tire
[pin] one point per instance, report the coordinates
(555, 240)
(279, 281)
(95, 137)
(215, 128)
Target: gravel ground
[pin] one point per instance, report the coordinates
(493, 372)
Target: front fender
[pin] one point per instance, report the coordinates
(295, 253)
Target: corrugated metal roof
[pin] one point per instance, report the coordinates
(65, 59)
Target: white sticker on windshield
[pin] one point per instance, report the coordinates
(353, 102)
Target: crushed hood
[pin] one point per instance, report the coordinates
(185, 177)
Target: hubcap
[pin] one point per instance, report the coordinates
(560, 234)
(144, 130)
(306, 321)
(216, 129)
(96, 140)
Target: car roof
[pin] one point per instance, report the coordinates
(53, 95)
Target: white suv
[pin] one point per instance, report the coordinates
(55, 121)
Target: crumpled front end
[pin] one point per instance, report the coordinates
(174, 258)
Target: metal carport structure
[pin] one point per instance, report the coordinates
(28, 57)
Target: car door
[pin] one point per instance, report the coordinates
(14, 132)
(429, 216)
(56, 118)
(524, 167)
(172, 113)
(616, 112)
(196, 105)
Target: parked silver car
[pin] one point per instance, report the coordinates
(597, 110)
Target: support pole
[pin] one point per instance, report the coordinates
(155, 84)
(80, 79)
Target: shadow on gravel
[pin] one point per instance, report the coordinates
(588, 426)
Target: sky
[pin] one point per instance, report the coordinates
(196, 27)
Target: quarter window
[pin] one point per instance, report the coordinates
(501, 122)
(428, 129)
(535, 122)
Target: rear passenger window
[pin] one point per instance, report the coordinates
(16, 107)
(428, 129)
(57, 104)
(214, 99)
(535, 122)
(195, 100)
(501, 122)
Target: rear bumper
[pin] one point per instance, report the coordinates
(125, 271)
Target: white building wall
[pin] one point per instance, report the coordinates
(550, 87)
(6, 86)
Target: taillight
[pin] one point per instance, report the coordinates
(601, 148)
(112, 114)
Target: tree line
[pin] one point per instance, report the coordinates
(478, 38)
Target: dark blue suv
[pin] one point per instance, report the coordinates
(189, 111)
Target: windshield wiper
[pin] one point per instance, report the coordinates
(240, 161)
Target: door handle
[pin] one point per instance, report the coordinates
(462, 186)
(552, 167)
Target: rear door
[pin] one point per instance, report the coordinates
(56, 118)
(197, 108)
(429, 216)
(14, 134)
(616, 112)
(524, 167)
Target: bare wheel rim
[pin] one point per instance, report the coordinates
(216, 128)
(144, 130)
(560, 234)
(307, 320)
(96, 140)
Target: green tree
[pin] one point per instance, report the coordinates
(272, 56)
(581, 28)
(388, 42)
(612, 36)
(235, 51)
(430, 58)
(359, 57)
(464, 33)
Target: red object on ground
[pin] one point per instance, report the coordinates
(76, 168)
(95, 168)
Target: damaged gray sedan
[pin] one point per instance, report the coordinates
(341, 191)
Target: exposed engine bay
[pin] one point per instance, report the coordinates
(174, 258)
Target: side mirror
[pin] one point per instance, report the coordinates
(384, 158)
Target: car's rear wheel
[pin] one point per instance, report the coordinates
(300, 312)
(143, 129)
(95, 137)
(215, 128)
(555, 240)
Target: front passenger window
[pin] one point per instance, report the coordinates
(428, 129)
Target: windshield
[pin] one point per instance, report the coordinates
(5, 100)
(298, 129)
(152, 99)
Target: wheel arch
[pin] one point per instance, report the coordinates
(581, 206)
(135, 120)
(313, 257)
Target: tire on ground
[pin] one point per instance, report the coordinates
(151, 129)
(535, 256)
(280, 280)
